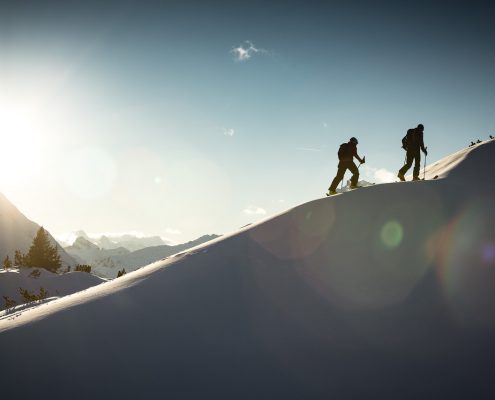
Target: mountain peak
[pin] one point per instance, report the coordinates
(83, 243)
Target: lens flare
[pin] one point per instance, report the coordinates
(375, 255)
(22, 144)
(464, 253)
(391, 234)
(299, 234)
(489, 254)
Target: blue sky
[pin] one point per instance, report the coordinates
(124, 116)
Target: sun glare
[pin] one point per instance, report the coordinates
(21, 144)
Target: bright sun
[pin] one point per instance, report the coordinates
(21, 145)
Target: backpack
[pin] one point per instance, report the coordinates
(408, 139)
(345, 151)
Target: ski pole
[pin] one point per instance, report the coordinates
(424, 168)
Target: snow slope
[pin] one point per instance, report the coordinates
(385, 292)
(55, 284)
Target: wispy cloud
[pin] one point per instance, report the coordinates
(253, 210)
(378, 175)
(228, 131)
(325, 125)
(171, 236)
(246, 50)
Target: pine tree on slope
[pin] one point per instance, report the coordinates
(42, 254)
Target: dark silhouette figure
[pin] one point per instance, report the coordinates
(347, 152)
(472, 143)
(412, 143)
(478, 141)
(491, 137)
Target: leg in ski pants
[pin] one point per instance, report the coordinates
(344, 166)
(410, 157)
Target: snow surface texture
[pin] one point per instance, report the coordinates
(385, 292)
(56, 285)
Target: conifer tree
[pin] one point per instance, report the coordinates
(18, 259)
(42, 254)
(9, 302)
(121, 273)
(7, 264)
(83, 268)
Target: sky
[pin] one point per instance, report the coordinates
(182, 118)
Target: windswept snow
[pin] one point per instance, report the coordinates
(383, 292)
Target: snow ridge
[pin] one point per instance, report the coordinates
(375, 293)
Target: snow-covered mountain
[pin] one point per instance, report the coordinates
(149, 255)
(127, 241)
(17, 233)
(385, 292)
(86, 252)
(107, 262)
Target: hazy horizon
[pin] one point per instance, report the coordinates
(180, 119)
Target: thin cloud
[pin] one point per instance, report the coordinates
(172, 231)
(253, 210)
(228, 132)
(246, 50)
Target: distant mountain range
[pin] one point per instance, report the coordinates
(106, 262)
(127, 241)
(106, 255)
(17, 233)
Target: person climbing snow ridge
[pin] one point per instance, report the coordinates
(347, 152)
(412, 143)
